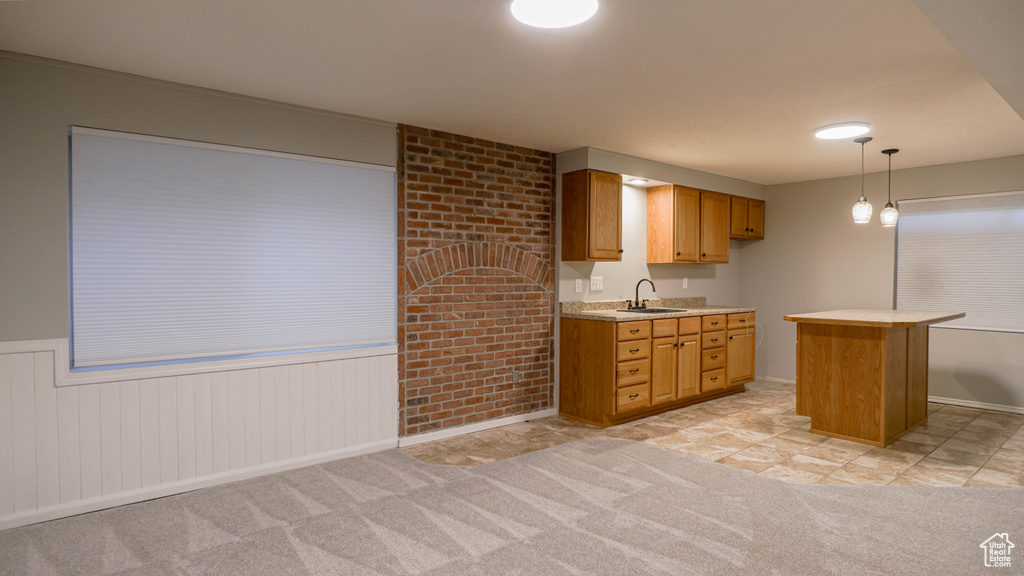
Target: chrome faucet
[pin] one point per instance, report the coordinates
(636, 303)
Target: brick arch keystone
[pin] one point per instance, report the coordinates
(429, 267)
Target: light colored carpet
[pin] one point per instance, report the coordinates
(587, 507)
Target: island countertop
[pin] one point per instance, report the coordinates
(876, 318)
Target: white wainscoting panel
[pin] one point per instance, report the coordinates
(72, 449)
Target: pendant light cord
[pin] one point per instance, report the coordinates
(890, 179)
(862, 169)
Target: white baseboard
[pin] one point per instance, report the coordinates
(142, 494)
(973, 404)
(475, 427)
(773, 379)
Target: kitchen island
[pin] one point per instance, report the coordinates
(862, 375)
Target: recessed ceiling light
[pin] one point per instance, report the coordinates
(842, 130)
(637, 181)
(553, 13)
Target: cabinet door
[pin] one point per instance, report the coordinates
(738, 226)
(686, 224)
(740, 357)
(604, 222)
(714, 227)
(663, 370)
(755, 219)
(688, 367)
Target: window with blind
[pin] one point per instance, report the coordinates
(183, 251)
(963, 253)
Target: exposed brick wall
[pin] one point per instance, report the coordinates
(476, 261)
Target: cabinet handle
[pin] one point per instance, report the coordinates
(714, 339)
(634, 350)
(714, 379)
(678, 253)
(677, 345)
(715, 357)
(714, 323)
(632, 396)
(620, 250)
(634, 370)
(703, 255)
(730, 337)
(634, 330)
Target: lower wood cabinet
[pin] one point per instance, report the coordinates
(740, 348)
(613, 372)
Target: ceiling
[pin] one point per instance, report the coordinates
(731, 87)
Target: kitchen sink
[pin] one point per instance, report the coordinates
(653, 310)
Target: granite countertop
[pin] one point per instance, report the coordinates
(608, 311)
(876, 318)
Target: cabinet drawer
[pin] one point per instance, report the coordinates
(741, 320)
(716, 322)
(663, 327)
(634, 330)
(633, 350)
(632, 372)
(712, 359)
(714, 380)
(712, 339)
(689, 325)
(632, 397)
(742, 330)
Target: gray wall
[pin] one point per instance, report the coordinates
(39, 99)
(814, 257)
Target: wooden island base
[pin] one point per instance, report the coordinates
(862, 375)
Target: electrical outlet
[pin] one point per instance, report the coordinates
(685, 282)
(579, 284)
(596, 283)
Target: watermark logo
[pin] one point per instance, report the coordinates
(997, 550)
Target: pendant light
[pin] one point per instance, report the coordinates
(862, 209)
(889, 214)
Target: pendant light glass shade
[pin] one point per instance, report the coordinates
(862, 209)
(889, 215)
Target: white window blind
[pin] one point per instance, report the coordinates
(182, 250)
(963, 253)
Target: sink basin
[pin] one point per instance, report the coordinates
(653, 310)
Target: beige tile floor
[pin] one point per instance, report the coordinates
(759, 431)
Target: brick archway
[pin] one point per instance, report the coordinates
(429, 267)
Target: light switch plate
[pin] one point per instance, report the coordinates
(597, 283)
(579, 285)
(685, 283)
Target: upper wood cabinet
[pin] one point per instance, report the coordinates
(686, 225)
(591, 216)
(746, 218)
(714, 227)
(673, 224)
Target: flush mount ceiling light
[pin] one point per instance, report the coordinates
(842, 130)
(637, 181)
(889, 215)
(862, 209)
(553, 13)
